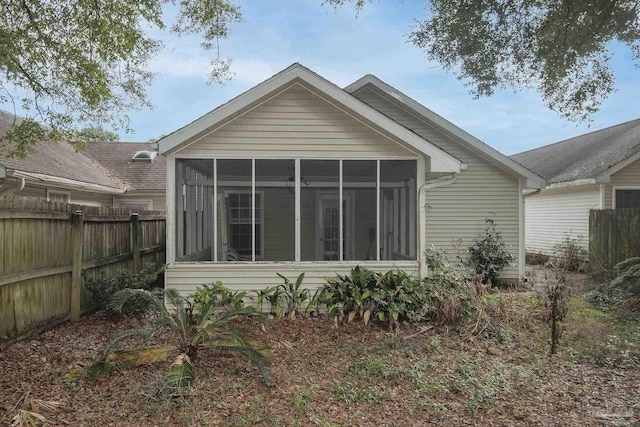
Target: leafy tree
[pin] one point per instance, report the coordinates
(562, 49)
(94, 133)
(69, 62)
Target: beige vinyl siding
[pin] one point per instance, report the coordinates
(247, 277)
(554, 214)
(627, 177)
(79, 197)
(456, 212)
(296, 123)
(158, 200)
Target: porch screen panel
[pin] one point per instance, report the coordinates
(359, 194)
(319, 210)
(398, 210)
(275, 185)
(194, 210)
(235, 207)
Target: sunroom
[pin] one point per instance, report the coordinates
(294, 176)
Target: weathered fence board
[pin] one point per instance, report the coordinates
(614, 235)
(37, 246)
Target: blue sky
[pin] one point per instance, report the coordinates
(342, 48)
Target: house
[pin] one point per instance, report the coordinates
(598, 170)
(101, 174)
(298, 175)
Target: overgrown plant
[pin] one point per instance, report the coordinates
(570, 254)
(102, 288)
(207, 328)
(556, 308)
(295, 297)
(489, 254)
(218, 295)
(622, 294)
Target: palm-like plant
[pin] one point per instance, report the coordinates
(208, 328)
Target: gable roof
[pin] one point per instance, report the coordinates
(49, 159)
(441, 160)
(533, 180)
(595, 155)
(116, 157)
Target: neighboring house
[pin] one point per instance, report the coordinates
(138, 166)
(102, 174)
(297, 175)
(598, 170)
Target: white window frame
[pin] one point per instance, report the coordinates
(171, 193)
(118, 203)
(51, 192)
(621, 187)
(255, 254)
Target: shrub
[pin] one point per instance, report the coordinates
(395, 297)
(190, 332)
(622, 293)
(489, 254)
(102, 288)
(569, 254)
(218, 295)
(556, 305)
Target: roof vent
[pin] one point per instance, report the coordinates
(144, 156)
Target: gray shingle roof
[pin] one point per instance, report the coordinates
(59, 160)
(585, 156)
(116, 157)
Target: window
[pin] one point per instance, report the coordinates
(58, 196)
(230, 210)
(627, 198)
(239, 206)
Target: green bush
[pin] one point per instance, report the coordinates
(218, 295)
(102, 288)
(489, 254)
(395, 297)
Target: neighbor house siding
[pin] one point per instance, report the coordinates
(296, 123)
(629, 177)
(158, 201)
(558, 213)
(455, 213)
(79, 197)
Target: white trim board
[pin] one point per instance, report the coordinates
(532, 180)
(441, 161)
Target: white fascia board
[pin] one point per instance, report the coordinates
(441, 161)
(532, 179)
(67, 183)
(568, 184)
(605, 177)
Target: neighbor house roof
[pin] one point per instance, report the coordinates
(441, 160)
(138, 175)
(474, 144)
(100, 166)
(49, 160)
(594, 155)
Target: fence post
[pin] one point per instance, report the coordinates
(135, 241)
(77, 241)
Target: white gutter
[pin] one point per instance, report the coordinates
(18, 187)
(427, 185)
(66, 183)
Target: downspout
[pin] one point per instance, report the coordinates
(533, 193)
(428, 185)
(18, 187)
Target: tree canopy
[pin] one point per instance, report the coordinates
(560, 48)
(68, 62)
(96, 133)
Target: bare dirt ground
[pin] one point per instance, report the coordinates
(352, 376)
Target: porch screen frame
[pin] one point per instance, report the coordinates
(172, 193)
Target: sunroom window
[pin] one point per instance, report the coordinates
(278, 210)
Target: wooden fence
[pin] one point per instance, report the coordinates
(614, 235)
(46, 246)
